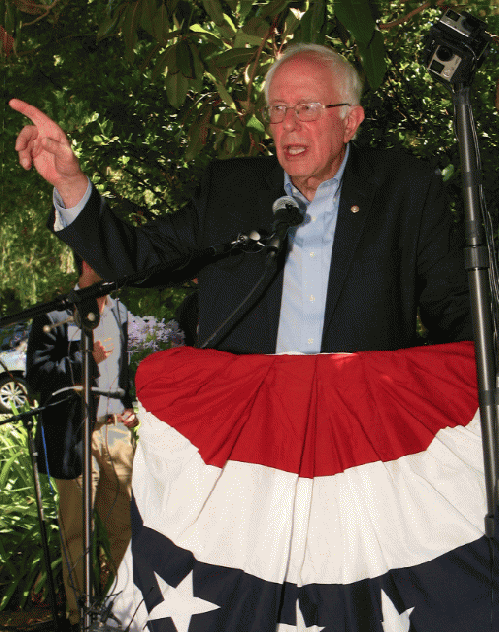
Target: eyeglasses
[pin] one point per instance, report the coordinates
(303, 111)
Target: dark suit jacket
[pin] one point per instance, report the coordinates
(396, 253)
(53, 362)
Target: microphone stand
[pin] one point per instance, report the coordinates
(287, 216)
(84, 301)
(477, 265)
(27, 419)
(67, 301)
(88, 319)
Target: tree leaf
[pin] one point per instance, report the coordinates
(226, 98)
(227, 29)
(197, 64)
(252, 33)
(356, 17)
(161, 64)
(373, 60)
(214, 9)
(195, 144)
(10, 18)
(291, 24)
(184, 59)
(160, 25)
(148, 14)
(108, 26)
(245, 7)
(313, 23)
(234, 57)
(256, 124)
(272, 8)
(176, 86)
(197, 28)
(243, 38)
(130, 22)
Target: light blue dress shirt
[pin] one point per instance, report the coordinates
(109, 332)
(306, 272)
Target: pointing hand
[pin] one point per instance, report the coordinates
(45, 146)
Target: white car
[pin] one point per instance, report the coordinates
(13, 386)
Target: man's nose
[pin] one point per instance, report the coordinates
(291, 120)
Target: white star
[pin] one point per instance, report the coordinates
(392, 620)
(179, 603)
(300, 624)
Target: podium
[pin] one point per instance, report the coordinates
(335, 492)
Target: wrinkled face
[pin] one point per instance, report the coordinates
(310, 151)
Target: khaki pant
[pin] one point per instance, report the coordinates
(112, 457)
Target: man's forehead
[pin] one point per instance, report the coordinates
(307, 75)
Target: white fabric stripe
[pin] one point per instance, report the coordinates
(337, 529)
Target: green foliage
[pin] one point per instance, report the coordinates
(23, 575)
(22, 570)
(150, 91)
(413, 112)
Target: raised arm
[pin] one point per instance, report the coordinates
(44, 146)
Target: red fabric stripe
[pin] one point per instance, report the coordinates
(312, 415)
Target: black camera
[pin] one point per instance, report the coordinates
(455, 47)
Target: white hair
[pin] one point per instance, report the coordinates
(348, 81)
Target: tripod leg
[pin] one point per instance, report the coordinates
(43, 529)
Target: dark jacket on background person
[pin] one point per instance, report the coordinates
(54, 361)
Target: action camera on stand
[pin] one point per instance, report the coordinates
(456, 46)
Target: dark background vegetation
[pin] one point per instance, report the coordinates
(149, 91)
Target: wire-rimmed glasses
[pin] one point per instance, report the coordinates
(304, 111)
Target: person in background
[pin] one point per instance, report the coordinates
(54, 361)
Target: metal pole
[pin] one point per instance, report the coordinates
(477, 265)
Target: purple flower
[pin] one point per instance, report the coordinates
(150, 334)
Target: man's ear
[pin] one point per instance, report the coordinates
(352, 121)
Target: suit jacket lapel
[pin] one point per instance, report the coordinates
(360, 184)
(357, 194)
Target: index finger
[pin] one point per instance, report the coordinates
(33, 113)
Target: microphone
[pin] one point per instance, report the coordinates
(286, 214)
(118, 393)
(48, 328)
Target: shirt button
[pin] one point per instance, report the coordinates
(312, 254)
(314, 219)
(310, 341)
(312, 298)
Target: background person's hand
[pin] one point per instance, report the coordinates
(100, 351)
(129, 418)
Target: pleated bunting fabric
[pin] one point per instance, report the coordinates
(333, 492)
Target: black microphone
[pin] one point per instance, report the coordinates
(286, 214)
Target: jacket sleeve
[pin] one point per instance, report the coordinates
(116, 249)
(444, 300)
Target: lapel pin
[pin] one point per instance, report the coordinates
(355, 209)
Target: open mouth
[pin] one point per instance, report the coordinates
(295, 150)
